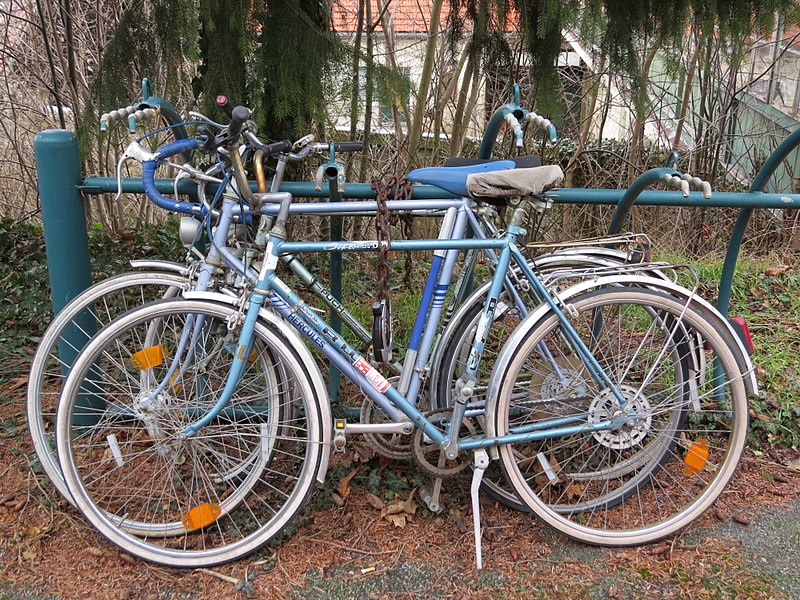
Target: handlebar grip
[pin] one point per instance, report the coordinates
(348, 146)
(239, 117)
(177, 147)
(171, 204)
(277, 147)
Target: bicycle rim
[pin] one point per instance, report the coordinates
(69, 332)
(653, 475)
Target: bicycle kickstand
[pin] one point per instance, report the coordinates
(481, 462)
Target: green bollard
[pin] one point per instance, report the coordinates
(58, 168)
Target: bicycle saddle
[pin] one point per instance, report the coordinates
(454, 179)
(498, 186)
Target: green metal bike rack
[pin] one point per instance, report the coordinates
(61, 186)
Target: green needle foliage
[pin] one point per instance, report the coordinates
(616, 29)
(277, 55)
(155, 39)
(296, 55)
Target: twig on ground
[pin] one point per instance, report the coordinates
(227, 578)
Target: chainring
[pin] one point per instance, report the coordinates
(391, 445)
(425, 451)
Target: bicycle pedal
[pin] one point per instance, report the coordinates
(431, 496)
(339, 440)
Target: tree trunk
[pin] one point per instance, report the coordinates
(457, 138)
(443, 100)
(687, 94)
(586, 124)
(368, 85)
(415, 127)
(637, 137)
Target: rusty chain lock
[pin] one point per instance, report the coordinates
(381, 308)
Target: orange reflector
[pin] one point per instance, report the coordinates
(696, 457)
(201, 516)
(148, 358)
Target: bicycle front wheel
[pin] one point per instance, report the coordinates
(607, 474)
(189, 501)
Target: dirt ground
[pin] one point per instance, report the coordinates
(745, 546)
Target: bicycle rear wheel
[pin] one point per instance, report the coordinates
(168, 498)
(652, 473)
(64, 338)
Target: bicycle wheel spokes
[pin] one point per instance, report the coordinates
(667, 453)
(177, 500)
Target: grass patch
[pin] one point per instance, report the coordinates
(768, 296)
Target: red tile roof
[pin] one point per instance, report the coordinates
(408, 16)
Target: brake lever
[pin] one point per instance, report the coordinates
(135, 151)
(303, 142)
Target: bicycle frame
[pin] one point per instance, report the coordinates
(396, 405)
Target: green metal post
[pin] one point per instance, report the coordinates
(58, 168)
(335, 259)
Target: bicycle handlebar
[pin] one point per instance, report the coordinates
(348, 146)
(148, 179)
(177, 147)
(276, 147)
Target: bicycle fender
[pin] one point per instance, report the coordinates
(501, 365)
(293, 339)
(159, 265)
(677, 290)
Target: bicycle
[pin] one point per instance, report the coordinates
(603, 412)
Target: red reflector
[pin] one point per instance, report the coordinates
(739, 325)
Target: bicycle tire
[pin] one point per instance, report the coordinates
(494, 483)
(688, 475)
(154, 474)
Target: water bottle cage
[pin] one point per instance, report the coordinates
(382, 331)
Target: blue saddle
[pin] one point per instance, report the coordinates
(454, 179)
